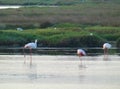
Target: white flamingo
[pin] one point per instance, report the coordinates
(80, 53)
(106, 46)
(32, 45)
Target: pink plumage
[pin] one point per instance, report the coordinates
(81, 52)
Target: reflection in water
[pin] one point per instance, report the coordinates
(31, 71)
(81, 73)
(9, 6)
(106, 58)
(61, 70)
(81, 78)
(54, 51)
(83, 66)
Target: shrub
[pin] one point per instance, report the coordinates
(74, 40)
(2, 26)
(118, 45)
(66, 25)
(46, 24)
(82, 41)
(15, 38)
(51, 38)
(7, 40)
(109, 33)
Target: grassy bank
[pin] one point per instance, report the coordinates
(61, 37)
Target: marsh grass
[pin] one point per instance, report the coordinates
(104, 14)
(109, 33)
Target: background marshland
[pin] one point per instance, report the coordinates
(62, 26)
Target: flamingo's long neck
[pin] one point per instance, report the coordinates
(36, 43)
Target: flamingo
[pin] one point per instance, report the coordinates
(80, 53)
(106, 46)
(32, 45)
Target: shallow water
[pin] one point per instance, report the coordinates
(9, 6)
(61, 72)
(19, 6)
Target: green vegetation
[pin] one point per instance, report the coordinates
(81, 25)
(53, 2)
(118, 43)
(109, 33)
(61, 37)
(103, 14)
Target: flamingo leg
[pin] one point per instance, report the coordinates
(24, 55)
(24, 52)
(30, 56)
(80, 60)
(105, 54)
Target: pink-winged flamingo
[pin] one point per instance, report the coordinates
(106, 46)
(80, 53)
(32, 45)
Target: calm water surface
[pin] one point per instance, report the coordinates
(60, 71)
(9, 6)
(19, 6)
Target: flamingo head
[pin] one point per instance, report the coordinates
(36, 41)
